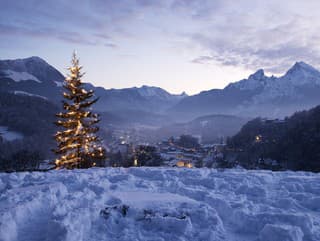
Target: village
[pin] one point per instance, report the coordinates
(184, 151)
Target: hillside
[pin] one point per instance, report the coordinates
(33, 118)
(294, 141)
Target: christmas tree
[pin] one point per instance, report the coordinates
(78, 144)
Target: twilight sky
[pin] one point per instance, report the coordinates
(179, 45)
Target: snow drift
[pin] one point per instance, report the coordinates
(160, 204)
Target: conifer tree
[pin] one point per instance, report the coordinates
(78, 144)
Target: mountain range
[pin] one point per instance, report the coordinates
(258, 95)
(215, 111)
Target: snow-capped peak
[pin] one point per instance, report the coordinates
(151, 91)
(302, 68)
(298, 75)
(255, 81)
(301, 73)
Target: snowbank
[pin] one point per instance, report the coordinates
(160, 204)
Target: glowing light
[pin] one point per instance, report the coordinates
(180, 164)
(258, 138)
(189, 165)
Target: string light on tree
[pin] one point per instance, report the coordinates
(78, 144)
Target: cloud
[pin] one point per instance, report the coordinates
(47, 33)
(270, 36)
(203, 60)
(87, 22)
(110, 45)
(251, 34)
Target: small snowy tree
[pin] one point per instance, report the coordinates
(78, 144)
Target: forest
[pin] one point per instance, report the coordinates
(292, 143)
(33, 118)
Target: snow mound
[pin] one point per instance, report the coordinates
(281, 233)
(20, 76)
(160, 204)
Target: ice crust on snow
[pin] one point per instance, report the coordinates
(160, 204)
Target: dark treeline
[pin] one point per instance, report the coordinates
(141, 156)
(188, 141)
(293, 142)
(33, 117)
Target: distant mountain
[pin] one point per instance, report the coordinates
(258, 95)
(151, 92)
(145, 98)
(35, 77)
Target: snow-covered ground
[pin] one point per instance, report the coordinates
(160, 204)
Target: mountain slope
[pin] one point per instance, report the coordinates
(31, 76)
(33, 66)
(31, 116)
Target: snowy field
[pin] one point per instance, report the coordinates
(160, 204)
